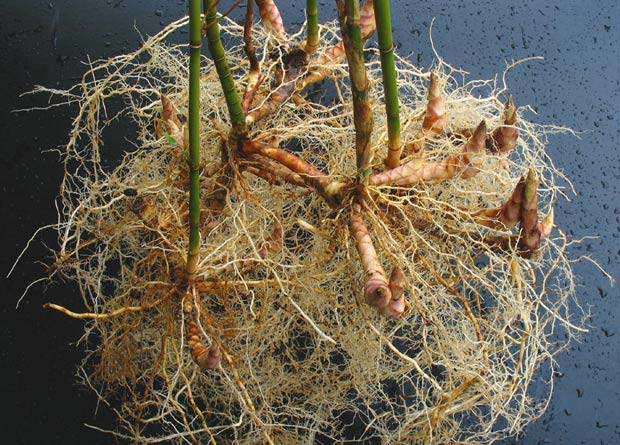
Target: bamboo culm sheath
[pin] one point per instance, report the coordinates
(195, 43)
(390, 87)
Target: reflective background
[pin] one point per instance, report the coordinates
(577, 85)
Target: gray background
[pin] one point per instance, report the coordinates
(577, 85)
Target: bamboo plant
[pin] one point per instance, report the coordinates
(319, 271)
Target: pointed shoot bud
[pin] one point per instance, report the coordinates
(545, 227)
(510, 112)
(477, 140)
(435, 119)
(473, 149)
(511, 210)
(505, 137)
(508, 215)
(167, 107)
(172, 123)
(530, 235)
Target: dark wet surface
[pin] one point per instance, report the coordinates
(577, 85)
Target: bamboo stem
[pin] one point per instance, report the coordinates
(349, 15)
(388, 68)
(195, 44)
(312, 21)
(233, 102)
(223, 70)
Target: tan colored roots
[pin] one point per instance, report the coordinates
(288, 352)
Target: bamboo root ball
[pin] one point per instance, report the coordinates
(413, 304)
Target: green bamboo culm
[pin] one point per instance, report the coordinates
(312, 20)
(349, 16)
(195, 43)
(383, 20)
(218, 54)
